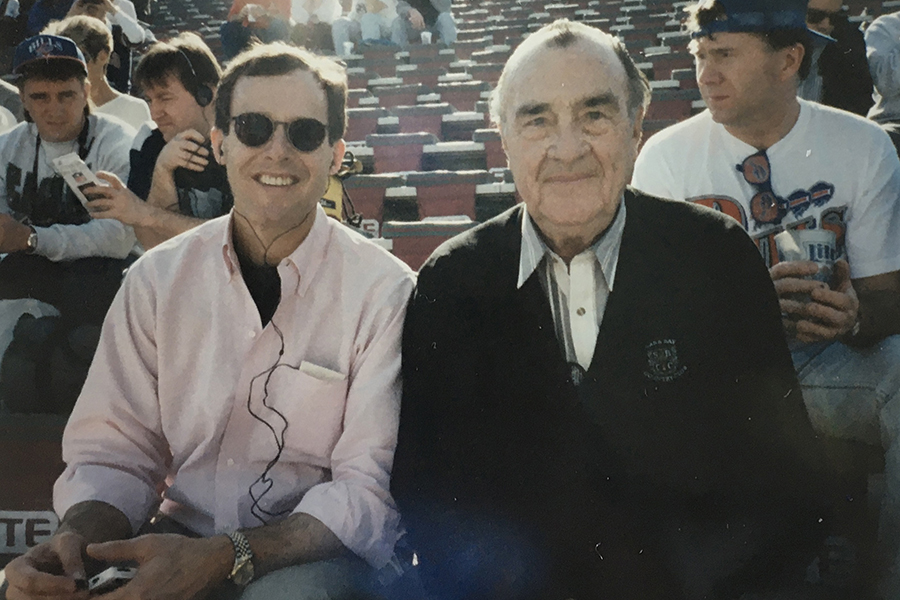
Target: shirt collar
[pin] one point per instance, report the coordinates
(305, 259)
(605, 248)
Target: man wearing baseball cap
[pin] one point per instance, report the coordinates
(775, 163)
(55, 252)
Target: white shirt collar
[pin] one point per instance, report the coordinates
(605, 249)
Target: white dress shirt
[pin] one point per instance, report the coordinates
(578, 291)
(190, 399)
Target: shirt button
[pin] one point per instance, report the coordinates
(251, 334)
(230, 462)
(580, 312)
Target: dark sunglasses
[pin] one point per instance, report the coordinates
(814, 15)
(765, 206)
(255, 129)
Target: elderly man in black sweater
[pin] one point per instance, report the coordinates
(595, 403)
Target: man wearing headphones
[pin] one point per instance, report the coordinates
(172, 169)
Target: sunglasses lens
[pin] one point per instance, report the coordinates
(816, 16)
(756, 169)
(253, 129)
(306, 134)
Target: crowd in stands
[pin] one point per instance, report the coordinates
(788, 124)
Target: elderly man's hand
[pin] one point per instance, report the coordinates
(185, 150)
(170, 567)
(54, 569)
(117, 202)
(812, 311)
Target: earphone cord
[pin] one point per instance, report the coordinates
(277, 237)
(256, 510)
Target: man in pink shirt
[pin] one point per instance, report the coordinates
(245, 391)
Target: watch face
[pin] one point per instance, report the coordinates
(243, 573)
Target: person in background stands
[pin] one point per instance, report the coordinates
(174, 184)
(368, 22)
(883, 43)
(127, 33)
(266, 20)
(313, 20)
(839, 75)
(96, 43)
(44, 11)
(416, 16)
(55, 252)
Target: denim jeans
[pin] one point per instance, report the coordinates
(854, 394)
(847, 390)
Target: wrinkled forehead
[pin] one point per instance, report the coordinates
(563, 76)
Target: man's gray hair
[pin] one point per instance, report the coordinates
(563, 33)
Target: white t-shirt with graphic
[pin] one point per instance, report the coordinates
(833, 170)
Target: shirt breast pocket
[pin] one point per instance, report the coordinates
(299, 412)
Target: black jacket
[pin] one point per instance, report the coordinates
(515, 483)
(846, 81)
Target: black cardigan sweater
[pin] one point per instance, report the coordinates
(514, 482)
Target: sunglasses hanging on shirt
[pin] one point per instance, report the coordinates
(255, 129)
(766, 207)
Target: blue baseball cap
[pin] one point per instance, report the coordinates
(761, 16)
(46, 47)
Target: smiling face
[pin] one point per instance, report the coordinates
(742, 79)
(568, 136)
(276, 183)
(56, 107)
(174, 109)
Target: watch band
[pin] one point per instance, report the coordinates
(242, 571)
(31, 242)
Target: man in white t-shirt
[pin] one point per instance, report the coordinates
(774, 162)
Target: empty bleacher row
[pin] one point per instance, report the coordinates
(419, 119)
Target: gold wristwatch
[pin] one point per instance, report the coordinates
(242, 572)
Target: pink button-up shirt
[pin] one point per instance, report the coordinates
(189, 398)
